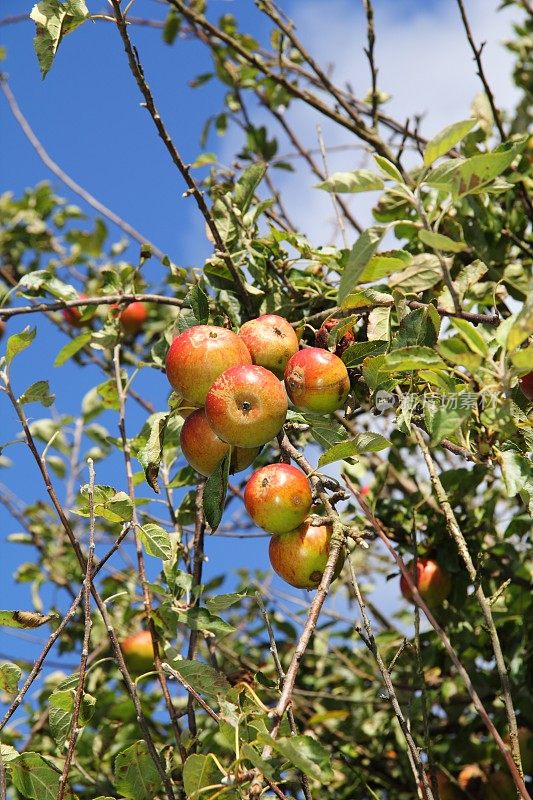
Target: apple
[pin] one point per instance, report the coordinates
(246, 406)
(431, 580)
(73, 315)
(133, 317)
(526, 385)
(472, 779)
(278, 497)
(204, 450)
(138, 652)
(317, 380)
(322, 337)
(271, 341)
(199, 355)
(300, 556)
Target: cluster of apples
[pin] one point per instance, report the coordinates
(236, 390)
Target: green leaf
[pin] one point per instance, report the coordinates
(470, 334)
(215, 490)
(198, 773)
(419, 327)
(54, 20)
(247, 184)
(199, 302)
(523, 359)
(223, 601)
(516, 471)
(522, 326)
(61, 708)
(150, 455)
(362, 443)
(423, 273)
(34, 778)
(38, 392)
(135, 774)
(356, 353)
(202, 677)
(108, 503)
(440, 242)
(71, 348)
(384, 264)
(325, 431)
(410, 358)
(389, 169)
(200, 619)
(19, 342)
(9, 677)
(24, 619)
(304, 753)
(378, 324)
(440, 144)
(358, 258)
(156, 541)
(447, 417)
(362, 180)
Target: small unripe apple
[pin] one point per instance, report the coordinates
(431, 580)
(317, 380)
(133, 317)
(73, 315)
(278, 497)
(246, 406)
(526, 385)
(138, 652)
(204, 450)
(271, 341)
(198, 356)
(300, 556)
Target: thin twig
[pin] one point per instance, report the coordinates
(197, 566)
(476, 700)
(457, 535)
(74, 729)
(138, 74)
(124, 226)
(371, 36)
(333, 195)
(370, 641)
(97, 300)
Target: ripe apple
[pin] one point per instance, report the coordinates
(317, 380)
(73, 315)
(431, 580)
(204, 450)
(526, 385)
(133, 317)
(198, 356)
(278, 497)
(300, 556)
(271, 341)
(322, 337)
(138, 652)
(246, 406)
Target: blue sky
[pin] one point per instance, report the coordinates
(88, 117)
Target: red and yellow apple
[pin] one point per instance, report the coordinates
(204, 450)
(278, 497)
(271, 341)
(72, 315)
(246, 406)
(317, 380)
(322, 337)
(138, 652)
(431, 580)
(526, 385)
(133, 317)
(198, 356)
(300, 556)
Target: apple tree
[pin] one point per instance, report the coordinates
(360, 405)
